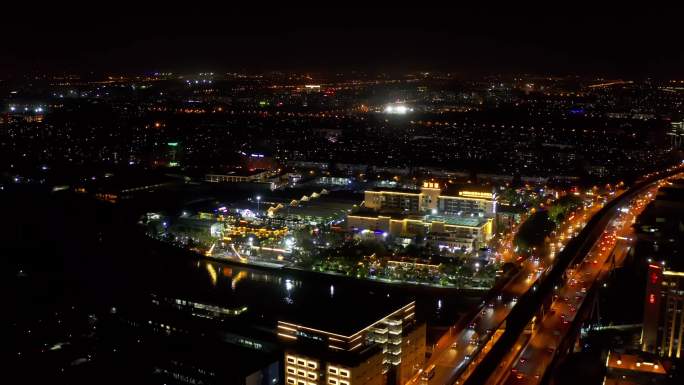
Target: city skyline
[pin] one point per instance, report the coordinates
(360, 196)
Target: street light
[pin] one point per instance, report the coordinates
(258, 198)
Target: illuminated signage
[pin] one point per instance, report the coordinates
(476, 194)
(654, 278)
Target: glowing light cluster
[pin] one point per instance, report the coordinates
(399, 109)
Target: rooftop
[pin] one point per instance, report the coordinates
(457, 221)
(635, 363)
(454, 190)
(396, 190)
(239, 172)
(345, 312)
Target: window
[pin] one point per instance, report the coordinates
(301, 363)
(332, 370)
(311, 364)
(291, 380)
(342, 382)
(332, 381)
(311, 375)
(290, 359)
(290, 370)
(344, 373)
(301, 383)
(301, 373)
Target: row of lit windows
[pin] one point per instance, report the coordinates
(334, 381)
(292, 381)
(301, 362)
(334, 374)
(301, 373)
(338, 371)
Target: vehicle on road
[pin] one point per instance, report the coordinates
(429, 373)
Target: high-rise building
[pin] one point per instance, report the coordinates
(248, 333)
(663, 328)
(323, 350)
(676, 134)
(660, 230)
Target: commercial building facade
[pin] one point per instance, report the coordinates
(432, 199)
(663, 328)
(460, 220)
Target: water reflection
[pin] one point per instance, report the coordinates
(225, 284)
(212, 274)
(239, 277)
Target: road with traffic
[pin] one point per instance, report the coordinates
(609, 250)
(458, 351)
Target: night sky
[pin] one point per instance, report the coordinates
(567, 39)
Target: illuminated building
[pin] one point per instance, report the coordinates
(408, 201)
(27, 112)
(236, 176)
(663, 327)
(168, 154)
(312, 87)
(322, 350)
(676, 133)
(431, 198)
(453, 219)
(386, 225)
(444, 231)
(297, 208)
(659, 235)
(468, 202)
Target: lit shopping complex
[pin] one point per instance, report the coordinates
(449, 219)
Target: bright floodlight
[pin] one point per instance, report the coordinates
(399, 109)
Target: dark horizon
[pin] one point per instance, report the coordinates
(613, 44)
